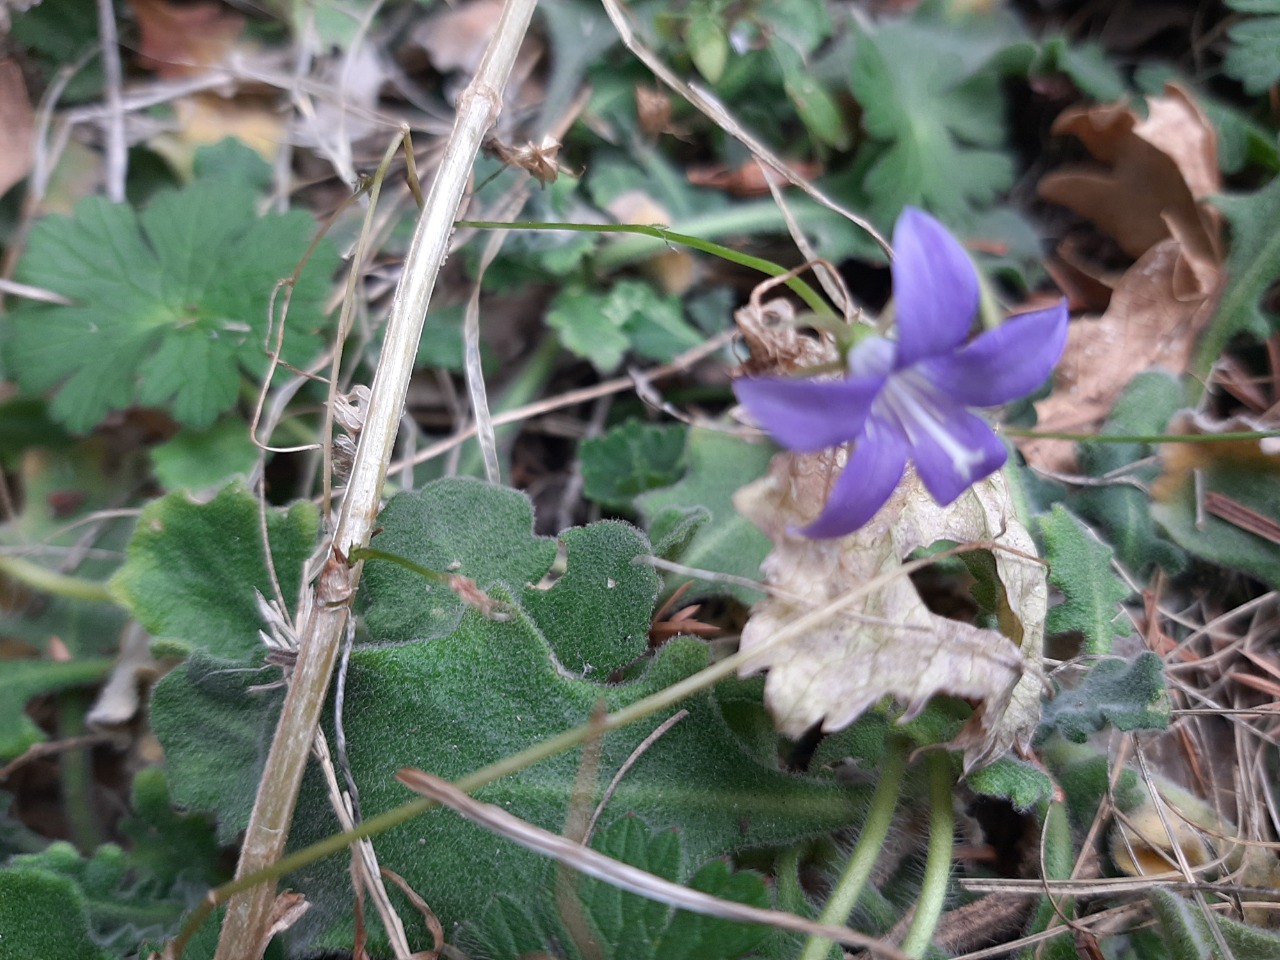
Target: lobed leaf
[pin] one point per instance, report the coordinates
(697, 514)
(1080, 567)
(170, 305)
(631, 459)
(1128, 695)
(462, 691)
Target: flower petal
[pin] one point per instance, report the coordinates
(1005, 363)
(808, 415)
(875, 466)
(935, 288)
(960, 453)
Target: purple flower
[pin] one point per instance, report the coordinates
(909, 398)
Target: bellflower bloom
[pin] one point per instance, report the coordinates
(909, 398)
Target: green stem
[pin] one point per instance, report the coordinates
(1141, 437)
(76, 774)
(789, 894)
(655, 238)
(937, 868)
(51, 582)
(863, 859)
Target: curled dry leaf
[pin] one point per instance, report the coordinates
(1149, 198)
(181, 39)
(889, 642)
(17, 125)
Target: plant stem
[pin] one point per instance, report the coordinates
(1141, 437)
(245, 931)
(650, 240)
(76, 770)
(874, 829)
(937, 868)
(51, 582)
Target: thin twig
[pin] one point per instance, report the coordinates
(574, 397)
(322, 634)
(117, 153)
(716, 112)
(627, 764)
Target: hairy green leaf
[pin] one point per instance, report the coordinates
(713, 535)
(462, 691)
(629, 460)
(1188, 937)
(1128, 695)
(1251, 268)
(192, 569)
(1022, 784)
(1080, 566)
(42, 914)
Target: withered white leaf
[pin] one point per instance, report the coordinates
(889, 642)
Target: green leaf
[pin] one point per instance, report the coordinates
(1128, 695)
(1251, 268)
(630, 316)
(216, 733)
(938, 116)
(1087, 66)
(719, 463)
(637, 928)
(691, 936)
(170, 306)
(24, 423)
(197, 459)
(63, 486)
(232, 161)
(456, 691)
(627, 924)
(43, 914)
(170, 851)
(122, 905)
(192, 569)
(1210, 537)
(1123, 511)
(708, 44)
(631, 459)
(818, 110)
(1022, 784)
(1080, 566)
(495, 546)
(20, 680)
(1188, 937)
(802, 24)
(1254, 57)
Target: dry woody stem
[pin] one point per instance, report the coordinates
(478, 107)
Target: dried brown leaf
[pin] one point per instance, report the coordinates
(179, 39)
(1148, 198)
(1152, 171)
(17, 126)
(894, 645)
